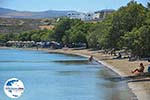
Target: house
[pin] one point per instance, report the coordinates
(88, 17)
(100, 15)
(82, 16)
(76, 15)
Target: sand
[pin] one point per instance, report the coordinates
(139, 86)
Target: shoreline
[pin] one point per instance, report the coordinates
(140, 89)
(137, 89)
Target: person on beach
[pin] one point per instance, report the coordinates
(140, 70)
(90, 58)
(148, 66)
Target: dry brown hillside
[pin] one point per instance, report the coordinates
(11, 25)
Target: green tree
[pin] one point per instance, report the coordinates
(3, 38)
(62, 27)
(125, 20)
(47, 36)
(78, 33)
(148, 5)
(138, 41)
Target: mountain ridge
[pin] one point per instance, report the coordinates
(10, 13)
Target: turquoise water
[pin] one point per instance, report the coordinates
(59, 77)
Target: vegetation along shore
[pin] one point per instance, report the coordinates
(121, 40)
(125, 29)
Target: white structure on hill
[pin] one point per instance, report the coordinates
(82, 16)
(99, 15)
(75, 15)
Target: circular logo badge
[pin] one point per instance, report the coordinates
(13, 88)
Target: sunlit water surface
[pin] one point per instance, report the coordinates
(49, 76)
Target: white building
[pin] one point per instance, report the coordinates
(99, 15)
(88, 16)
(82, 16)
(75, 15)
(96, 16)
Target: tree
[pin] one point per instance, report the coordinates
(26, 36)
(78, 33)
(148, 5)
(35, 37)
(125, 20)
(3, 38)
(47, 36)
(63, 25)
(138, 41)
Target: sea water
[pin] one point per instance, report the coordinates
(51, 76)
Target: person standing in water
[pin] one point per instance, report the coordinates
(90, 58)
(37, 47)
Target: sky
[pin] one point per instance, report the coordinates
(77, 5)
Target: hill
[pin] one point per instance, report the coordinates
(8, 13)
(15, 25)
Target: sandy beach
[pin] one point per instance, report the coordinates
(140, 86)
